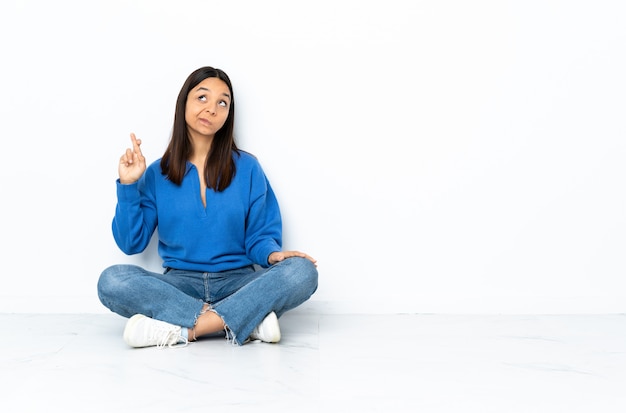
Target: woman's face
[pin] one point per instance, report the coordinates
(207, 107)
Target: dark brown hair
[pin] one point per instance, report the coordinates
(219, 169)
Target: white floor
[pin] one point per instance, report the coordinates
(347, 363)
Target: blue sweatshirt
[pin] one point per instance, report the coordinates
(239, 226)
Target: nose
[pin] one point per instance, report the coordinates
(211, 108)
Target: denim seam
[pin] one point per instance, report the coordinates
(207, 289)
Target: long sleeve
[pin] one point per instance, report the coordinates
(135, 217)
(236, 227)
(264, 223)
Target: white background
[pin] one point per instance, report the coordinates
(434, 156)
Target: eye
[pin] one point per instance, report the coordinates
(223, 103)
(202, 98)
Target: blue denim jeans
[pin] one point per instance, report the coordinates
(241, 297)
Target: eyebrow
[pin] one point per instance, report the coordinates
(208, 90)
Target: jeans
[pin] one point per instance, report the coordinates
(241, 297)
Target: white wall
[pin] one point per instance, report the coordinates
(434, 156)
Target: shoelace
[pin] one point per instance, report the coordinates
(166, 338)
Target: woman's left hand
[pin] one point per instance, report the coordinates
(281, 255)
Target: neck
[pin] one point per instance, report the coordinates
(201, 148)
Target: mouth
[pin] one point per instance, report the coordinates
(205, 122)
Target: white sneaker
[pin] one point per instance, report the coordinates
(142, 331)
(268, 330)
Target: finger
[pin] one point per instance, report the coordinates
(307, 256)
(128, 157)
(136, 144)
(313, 260)
(302, 255)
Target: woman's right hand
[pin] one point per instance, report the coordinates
(132, 163)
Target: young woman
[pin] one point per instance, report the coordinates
(219, 231)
